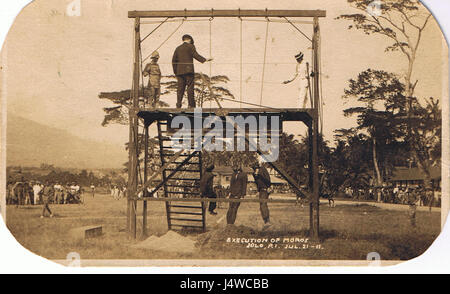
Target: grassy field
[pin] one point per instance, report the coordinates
(348, 232)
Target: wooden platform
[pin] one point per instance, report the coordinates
(305, 115)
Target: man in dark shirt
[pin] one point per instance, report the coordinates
(238, 189)
(206, 187)
(263, 183)
(183, 68)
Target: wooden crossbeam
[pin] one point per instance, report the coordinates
(224, 200)
(226, 13)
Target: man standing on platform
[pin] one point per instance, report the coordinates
(263, 183)
(183, 68)
(238, 189)
(153, 71)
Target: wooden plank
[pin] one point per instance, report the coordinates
(230, 111)
(225, 200)
(314, 229)
(133, 156)
(86, 232)
(227, 13)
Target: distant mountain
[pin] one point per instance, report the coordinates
(29, 143)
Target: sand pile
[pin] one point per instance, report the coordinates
(169, 242)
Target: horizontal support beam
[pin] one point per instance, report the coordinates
(305, 115)
(226, 13)
(221, 200)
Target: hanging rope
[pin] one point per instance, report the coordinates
(241, 54)
(264, 62)
(154, 30)
(319, 41)
(182, 22)
(210, 55)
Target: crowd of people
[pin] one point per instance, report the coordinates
(118, 192)
(33, 193)
(397, 195)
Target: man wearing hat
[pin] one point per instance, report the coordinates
(238, 189)
(153, 72)
(263, 183)
(183, 68)
(206, 187)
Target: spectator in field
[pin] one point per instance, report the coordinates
(10, 193)
(206, 188)
(58, 193)
(263, 183)
(47, 195)
(36, 191)
(121, 189)
(116, 193)
(411, 198)
(27, 193)
(19, 191)
(93, 190)
(238, 190)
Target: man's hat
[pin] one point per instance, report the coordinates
(185, 37)
(155, 54)
(210, 167)
(299, 57)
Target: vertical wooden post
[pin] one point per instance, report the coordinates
(311, 174)
(132, 151)
(144, 208)
(314, 230)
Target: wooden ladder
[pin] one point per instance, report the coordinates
(184, 183)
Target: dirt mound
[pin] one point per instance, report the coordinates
(169, 242)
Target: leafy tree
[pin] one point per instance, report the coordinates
(351, 160)
(381, 95)
(294, 157)
(426, 125)
(403, 22)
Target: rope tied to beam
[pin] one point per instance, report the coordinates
(178, 27)
(264, 61)
(300, 31)
(154, 30)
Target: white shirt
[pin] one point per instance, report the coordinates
(37, 189)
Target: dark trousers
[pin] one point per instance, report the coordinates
(263, 194)
(212, 205)
(186, 80)
(46, 208)
(232, 210)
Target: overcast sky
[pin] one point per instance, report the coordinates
(58, 64)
